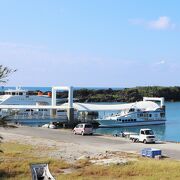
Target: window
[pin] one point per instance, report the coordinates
(145, 115)
(58, 110)
(162, 114)
(142, 132)
(88, 126)
(132, 110)
(149, 132)
(150, 115)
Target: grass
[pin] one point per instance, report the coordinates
(15, 161)
(142, 169)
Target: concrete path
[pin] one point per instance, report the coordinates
(95, 142)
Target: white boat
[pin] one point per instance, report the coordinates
(150, 111)
(21, 96)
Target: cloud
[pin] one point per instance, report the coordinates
(160, 62)
(162, 23)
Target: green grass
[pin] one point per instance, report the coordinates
(15, 161)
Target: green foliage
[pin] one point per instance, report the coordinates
(127, 94)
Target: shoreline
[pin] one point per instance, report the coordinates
(99, 134)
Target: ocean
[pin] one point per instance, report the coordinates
(169, 132)
(45, 89)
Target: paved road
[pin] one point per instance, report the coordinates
(96, 141)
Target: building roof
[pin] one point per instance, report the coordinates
(147, 105)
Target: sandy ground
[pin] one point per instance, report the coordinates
(65, 145)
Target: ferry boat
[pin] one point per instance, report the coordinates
(21, 96)
(150, 111)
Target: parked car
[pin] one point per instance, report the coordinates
(145, 136)
(83, 129)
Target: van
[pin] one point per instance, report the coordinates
(83, 129)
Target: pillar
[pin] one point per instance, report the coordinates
(70, 115)
(162, 102)
(53, 97)
(70, 110)
(53, 103)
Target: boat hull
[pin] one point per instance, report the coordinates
(114, 123)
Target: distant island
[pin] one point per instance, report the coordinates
(122, 95)
(127, 94)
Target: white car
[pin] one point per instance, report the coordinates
(83, 129)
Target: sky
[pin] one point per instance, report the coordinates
(97, 43)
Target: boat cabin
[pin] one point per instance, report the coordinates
(17, 92)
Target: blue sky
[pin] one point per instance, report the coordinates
(99, 43)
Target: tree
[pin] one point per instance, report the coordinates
(4, 73)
